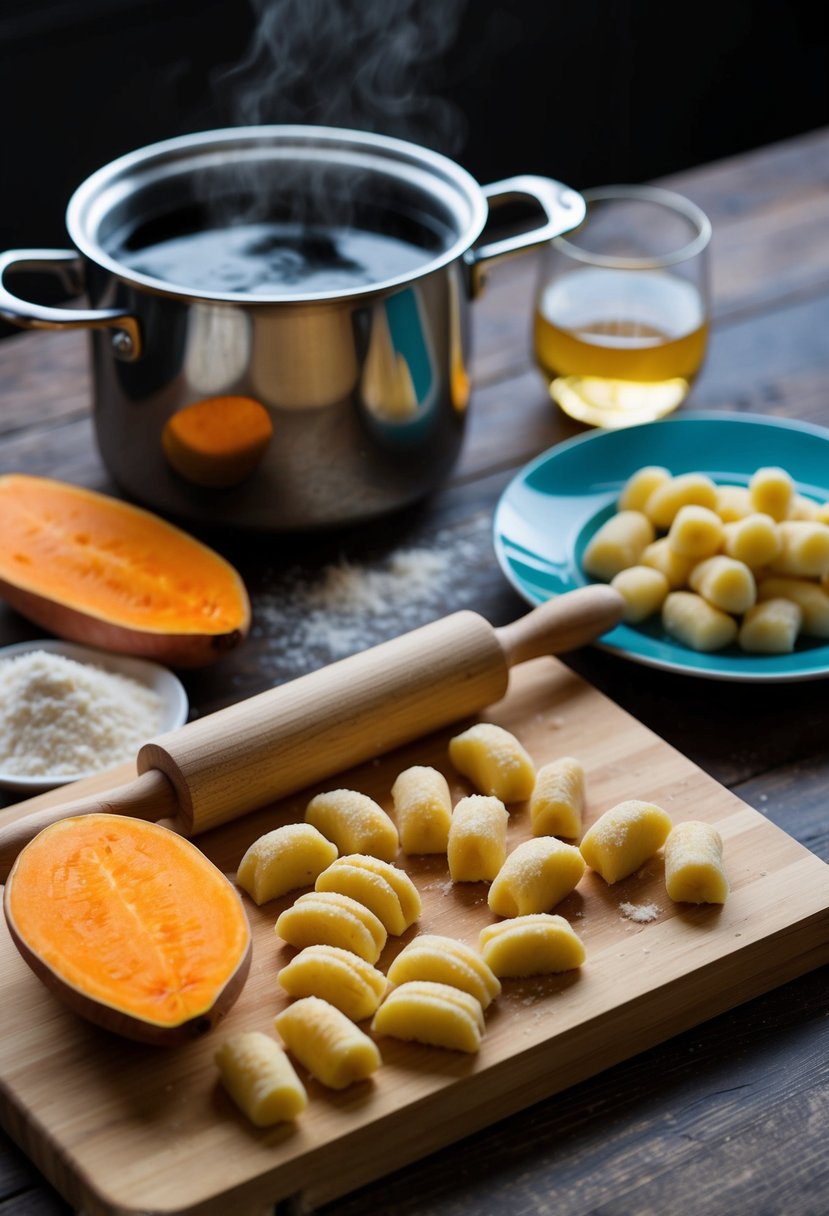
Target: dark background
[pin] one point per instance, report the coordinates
(587, 91)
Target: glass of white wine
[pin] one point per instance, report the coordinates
(621, 314)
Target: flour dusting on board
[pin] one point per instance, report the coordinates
(640, 913)
(347, 607)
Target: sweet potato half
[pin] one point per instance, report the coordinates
(130, 925)
(102, 572)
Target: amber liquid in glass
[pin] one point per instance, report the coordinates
(617, 346)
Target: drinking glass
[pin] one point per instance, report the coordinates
(621, 314)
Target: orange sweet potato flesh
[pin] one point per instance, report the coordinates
(95, 570)
(130, 925)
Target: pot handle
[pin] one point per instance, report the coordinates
(563, 207)
(68, 266)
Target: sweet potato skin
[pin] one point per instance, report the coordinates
(181, 650)
(121, 1023)
(125, 1013)
(96, 570)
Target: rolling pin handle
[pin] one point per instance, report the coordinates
(150, 796)
(562, 623)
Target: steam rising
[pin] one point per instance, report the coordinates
(349, 63)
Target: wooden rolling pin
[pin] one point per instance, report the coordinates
(243, 757)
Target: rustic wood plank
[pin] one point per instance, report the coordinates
(41, 1200)
(760, 179)
(16, 1171)
(793, 795)
(45, 379)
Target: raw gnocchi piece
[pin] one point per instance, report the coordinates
(640, 485)
(822, 513)
(494, 761)
(355, 823)
(327, 1043)
(260, 1078)
(687, 489)
(660, 556)
(726, 583)
(753, 540)
(536, 876)
(811, 599)
(282, 860)
(694, 871)
(432, 1013)
(643, 589)
(696, 532)
(338, 976)
(540, 944)
(690, 619)
(423, 809)
(733, 503)
(326, 918)
(772, 492)
(770, 627)
(383, 888)
(617, 544)
(557, 800)
(477, 839)
(624, 837)
(804, 549)
(444, 960)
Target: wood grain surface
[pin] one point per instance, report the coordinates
(728, 1116)
(163, 1138)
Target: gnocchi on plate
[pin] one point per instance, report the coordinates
(698, 554)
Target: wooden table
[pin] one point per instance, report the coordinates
(733, 1115)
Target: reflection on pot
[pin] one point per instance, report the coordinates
(459, 386)
(398, 382)
(217, 347)
(217, 442)
(303, 357)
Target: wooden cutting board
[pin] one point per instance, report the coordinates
(119, 1127)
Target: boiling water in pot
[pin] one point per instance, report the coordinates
(198, 250)
(264, 259)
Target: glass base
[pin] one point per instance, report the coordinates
(617, 403)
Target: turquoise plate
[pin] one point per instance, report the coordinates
(550, 510)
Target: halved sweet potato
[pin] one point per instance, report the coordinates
(96, 570)
(130, 925)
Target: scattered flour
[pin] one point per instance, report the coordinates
(61, 718)
(641, 913)
(347, 607)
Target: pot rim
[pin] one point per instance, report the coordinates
(431, 171)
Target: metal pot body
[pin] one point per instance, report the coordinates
(363, 389)
(350, 440)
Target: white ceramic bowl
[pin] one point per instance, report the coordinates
(159, 679)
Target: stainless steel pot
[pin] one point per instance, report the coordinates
(364, 386)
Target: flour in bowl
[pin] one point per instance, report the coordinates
(61, 718)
